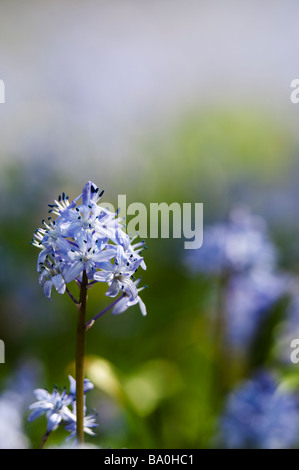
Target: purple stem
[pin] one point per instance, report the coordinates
(91, 322)
(91, 283)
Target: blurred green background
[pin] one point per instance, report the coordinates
(164, 102)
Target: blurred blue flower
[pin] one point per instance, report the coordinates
(249, 298)
(89, 423)
(259, 414)
(240, 253)
(234, 246)
(88, 385)
(54, 405)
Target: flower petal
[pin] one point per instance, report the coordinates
(41, 394)
(59, 283)
(113, 289)
(72, 271)
(121, 306)
(36, 414)
(142, 307)
(48, 289)
(53, 421)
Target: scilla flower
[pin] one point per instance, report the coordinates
(89, 423)
(85, 243)
(86, 237)
(128, 301)
(54, 405)
(88, 385)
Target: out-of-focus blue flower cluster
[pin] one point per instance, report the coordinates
(239, 255)
(240, 252)
(88, 237)
(249, 298)
(56, 405)
(235, 246)
(259, 414)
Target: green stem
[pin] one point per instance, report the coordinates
(220, 322)
(221, 354)
(80, 356)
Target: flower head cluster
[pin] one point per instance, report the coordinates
(56, 407)
(88, 237)
(259, 414)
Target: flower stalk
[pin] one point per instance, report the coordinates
(80, 358)
(44, 439)
(87, 244)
